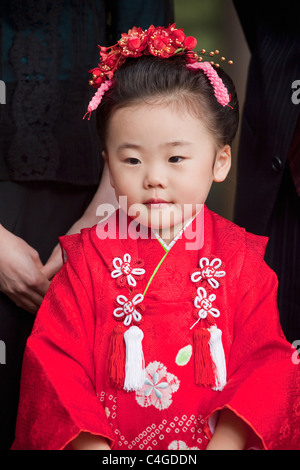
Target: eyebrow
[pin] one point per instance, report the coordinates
(128, 145)
(178, 143)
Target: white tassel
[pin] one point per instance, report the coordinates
(135, 364)
(218, 356)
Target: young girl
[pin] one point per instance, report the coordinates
(161, 330)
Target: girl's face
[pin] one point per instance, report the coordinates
(164, 161)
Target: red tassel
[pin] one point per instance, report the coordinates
(116, 358)
(204, 365)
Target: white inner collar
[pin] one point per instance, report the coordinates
(166, 246)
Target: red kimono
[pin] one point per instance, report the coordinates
(175, 301)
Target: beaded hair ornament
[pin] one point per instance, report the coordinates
(159, 42)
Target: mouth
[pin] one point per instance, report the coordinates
(157, 203)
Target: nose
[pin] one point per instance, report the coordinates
(155, 177)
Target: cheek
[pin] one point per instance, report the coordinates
(195, 190)
(201, 178)
(123, 186)
(118, 177)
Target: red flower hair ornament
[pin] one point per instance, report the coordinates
(159, 42)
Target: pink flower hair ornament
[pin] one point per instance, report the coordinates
(159, 42)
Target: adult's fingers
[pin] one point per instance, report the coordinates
(53, 264)
(26, 303)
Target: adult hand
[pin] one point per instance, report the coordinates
(53, 264)
(21, 278)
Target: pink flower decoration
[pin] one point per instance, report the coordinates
(158, 388)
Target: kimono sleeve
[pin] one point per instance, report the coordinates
(58, 398)
(263, 379)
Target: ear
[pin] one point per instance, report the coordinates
(105, 157)
(222, 164)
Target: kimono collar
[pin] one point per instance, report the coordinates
(168, 247)
(192, 233)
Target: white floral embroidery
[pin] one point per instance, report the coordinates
(209, 271)
(127, 309)
(124, 268)
(203, 302)
(158, 388)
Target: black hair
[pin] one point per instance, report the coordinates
(151, 77)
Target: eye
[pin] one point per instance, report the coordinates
(132, 161)
(176, 159)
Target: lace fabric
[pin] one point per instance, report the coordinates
(45, 65)
(47, 48)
